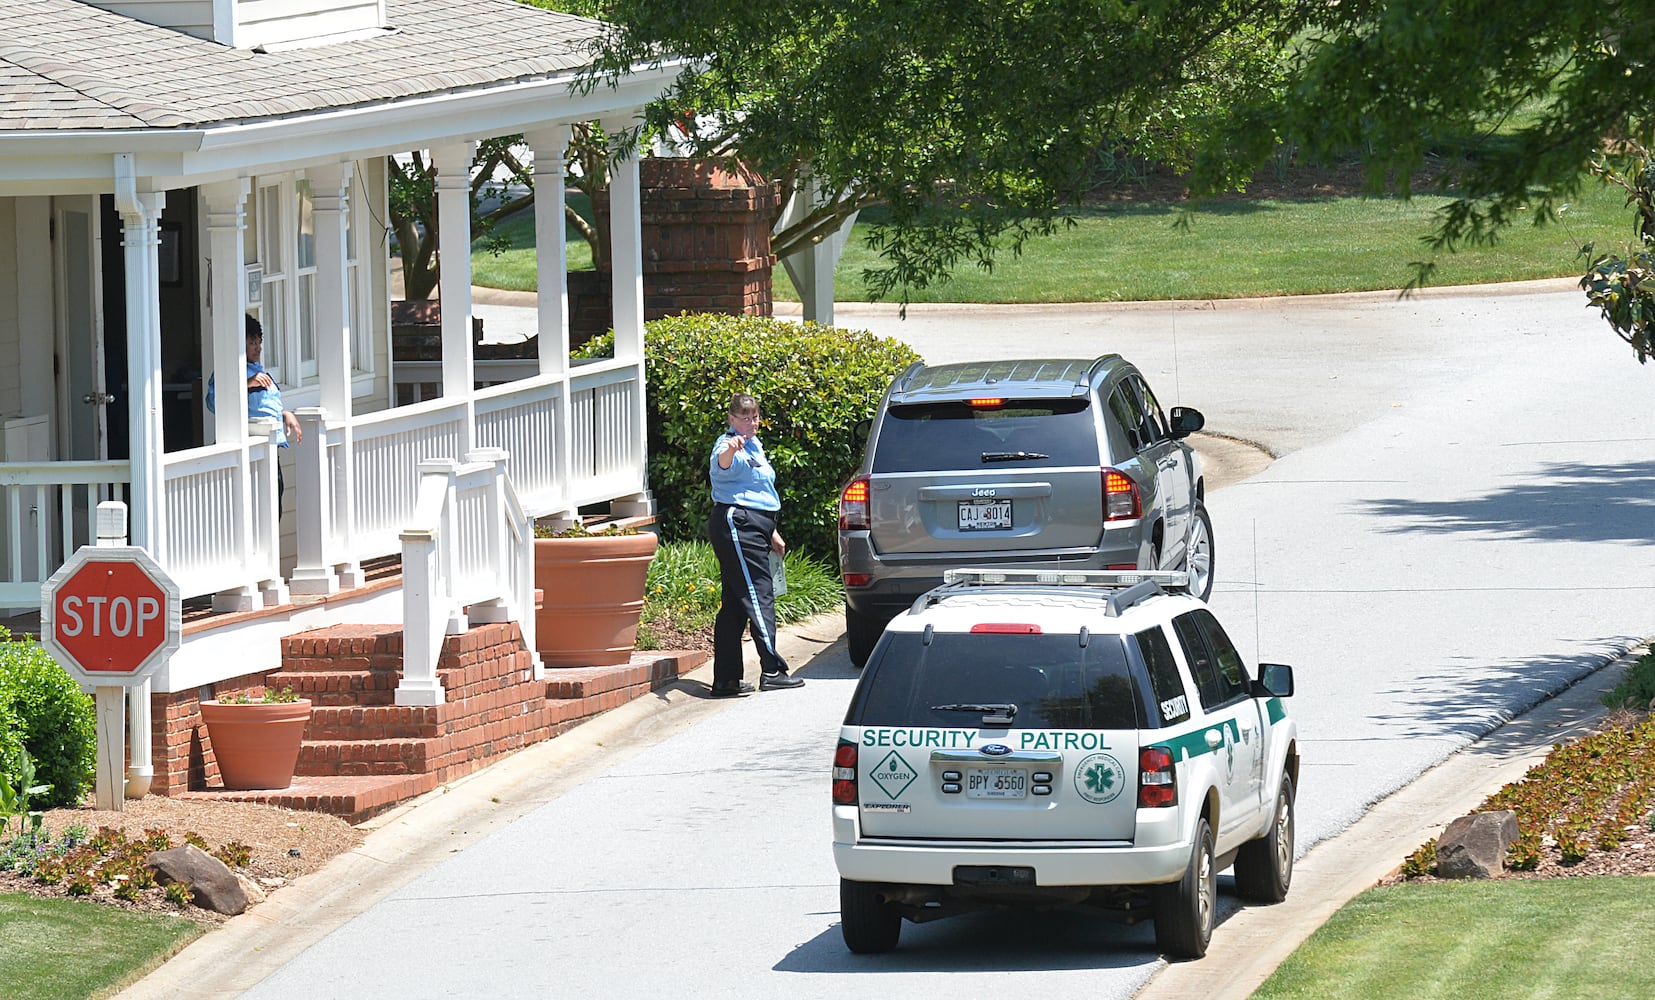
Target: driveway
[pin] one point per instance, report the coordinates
(1458, 522)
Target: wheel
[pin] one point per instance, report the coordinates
(1184, 909)
(1198, 556)
(861, 634)
(870, 925)
(1264, 867)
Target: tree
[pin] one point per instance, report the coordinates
(972, 124)
(1513, 104)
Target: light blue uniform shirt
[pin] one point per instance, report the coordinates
(260, 402)
(750, 481)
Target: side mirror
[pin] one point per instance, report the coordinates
(1275, 680)
(861, 431)
(1186, 420)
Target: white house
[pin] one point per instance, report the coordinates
(167, 166)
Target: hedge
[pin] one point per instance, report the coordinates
(814, 385)
(56, 721)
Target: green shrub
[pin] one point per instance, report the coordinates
(56, 720)
(1637, 688)
(814, 385)
(683, 590)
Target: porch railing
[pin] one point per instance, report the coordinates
(467, 556)
(208, 544)
(47, 509)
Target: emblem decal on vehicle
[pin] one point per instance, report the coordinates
(892, 774)
(996, 749)
(1100, 779)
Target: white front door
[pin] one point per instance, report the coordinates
(82, 396)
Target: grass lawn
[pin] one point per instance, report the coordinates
(1227, 250)
(65, 949)
(1492, 940)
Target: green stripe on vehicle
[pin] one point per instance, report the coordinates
(1194, 744)
(1274, 710)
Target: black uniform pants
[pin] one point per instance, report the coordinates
(740, 538)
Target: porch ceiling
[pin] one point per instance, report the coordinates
(79, 83)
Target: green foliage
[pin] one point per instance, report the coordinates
(974, 125)
(57, 720)
(1620, 286)
(1422, 862)
(235, 854)
(179, 894)
(1637, 688)
(14, 800)
(580, 530)
(682, 591)
(813, 383)
(271, 696)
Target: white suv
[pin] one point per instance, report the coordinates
(1045, 738)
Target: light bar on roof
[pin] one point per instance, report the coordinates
(1106, 578)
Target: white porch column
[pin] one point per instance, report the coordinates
(550, 147)
(226, 204)
(140, 238)
(626, 246)
(317, 569)
(454, 254)
(812, 268)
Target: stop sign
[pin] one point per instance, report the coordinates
(111, 615)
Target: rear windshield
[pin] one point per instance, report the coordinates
(1054, 682)
(933, 437)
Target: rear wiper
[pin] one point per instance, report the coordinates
(1013, 456)
(1003, 709)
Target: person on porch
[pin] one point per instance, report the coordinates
(743, 533)
(264, 398)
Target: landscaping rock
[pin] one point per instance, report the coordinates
(1474, 846)
(215, 886)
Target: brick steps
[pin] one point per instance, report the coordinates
(364, 755)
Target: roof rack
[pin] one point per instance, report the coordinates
(1128, 587)
(1107, 578)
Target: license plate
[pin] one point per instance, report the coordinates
(985, 516)
(996, 783)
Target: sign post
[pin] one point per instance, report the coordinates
(111, 616)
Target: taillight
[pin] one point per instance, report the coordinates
(1120, 496)
(844, 774)
(1157, 782)
(863, 579)
(853, 505)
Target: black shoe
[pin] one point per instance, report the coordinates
(779, 680)
(731, 689)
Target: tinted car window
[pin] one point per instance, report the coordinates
(1168, 687)
(1219, 674)
(931, 437)
(1127, 414)
(1055, 682)
(1154, 420)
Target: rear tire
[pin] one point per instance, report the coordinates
(861, 635)
(1184, 909)
(1264, 866)
(870, 925)
(1198, 555)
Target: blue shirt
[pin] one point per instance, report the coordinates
(260, 402)
(750, 481)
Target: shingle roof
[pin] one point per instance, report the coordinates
(68, 65)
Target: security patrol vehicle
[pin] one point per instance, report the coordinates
(1051, 738)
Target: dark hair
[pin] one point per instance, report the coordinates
(253, 327)
(741, 402)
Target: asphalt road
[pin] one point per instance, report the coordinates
(1457, 523)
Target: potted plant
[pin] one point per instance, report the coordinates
(592, 593)
(256, 743)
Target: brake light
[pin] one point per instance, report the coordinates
(853, 505)
(1120, 496)
(1157, 781)
(844, 774)
(1006, 628)
(985, 402)
(863, 579)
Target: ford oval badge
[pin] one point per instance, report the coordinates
(996, 749)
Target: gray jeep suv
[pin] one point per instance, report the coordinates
(1025, 464)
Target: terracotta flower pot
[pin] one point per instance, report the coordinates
(256, 744)
(593, 595)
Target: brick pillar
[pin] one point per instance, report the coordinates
(706, 244)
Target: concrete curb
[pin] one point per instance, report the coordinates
(1249, 945)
